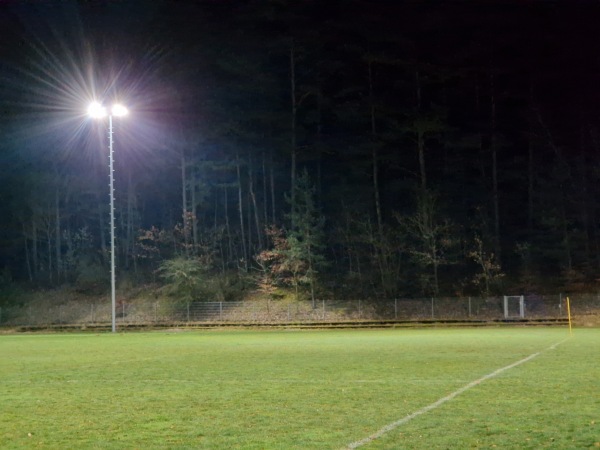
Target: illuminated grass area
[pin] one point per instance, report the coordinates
(300, 389)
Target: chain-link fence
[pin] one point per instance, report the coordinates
(277, 311)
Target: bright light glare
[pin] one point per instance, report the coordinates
(119, 110)
(96, 110)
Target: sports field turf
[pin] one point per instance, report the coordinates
(302, 389)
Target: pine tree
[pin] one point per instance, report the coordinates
(306, 238)
(431, 236)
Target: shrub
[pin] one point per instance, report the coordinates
(185, 277)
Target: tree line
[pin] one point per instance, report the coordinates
(341, 151)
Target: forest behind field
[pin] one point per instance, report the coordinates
(342, 149)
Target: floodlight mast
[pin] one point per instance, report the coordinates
(97, 111)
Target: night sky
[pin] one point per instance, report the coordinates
(462, 135)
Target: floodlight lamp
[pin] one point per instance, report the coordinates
(96, 110)
(119, 110)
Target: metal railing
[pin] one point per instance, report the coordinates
(150, 312)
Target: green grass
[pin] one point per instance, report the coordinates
(299, 389)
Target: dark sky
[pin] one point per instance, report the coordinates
(555, 41)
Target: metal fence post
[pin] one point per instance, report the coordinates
(560, 304)
(188, 311)
(220, 310)
(469, 306)
(395, 308)
(323, 309)
(432, 315)
(359, 309)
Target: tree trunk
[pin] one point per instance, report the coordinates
(34, 246)
(215, 215)
(530, 187)
(249, 235)
(57, 231)
(194, 216)
(272, 182)
(264, 193)
(375, 152)
(130, 227)
(27, 256)
(254, 204)
(421, 150)
(49, 248)
(227, 227)
(319, 144)
(565, 231)
(418, 90)
(184, 202)
(585, 201)
(102, 222)
(312, 275)
(420, 134)
(494, 150)
(293, 131)
(241, 210)
(530, 168)
(436, 265)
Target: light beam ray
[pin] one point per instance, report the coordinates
(61, 77)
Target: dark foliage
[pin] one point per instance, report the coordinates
(488, 111)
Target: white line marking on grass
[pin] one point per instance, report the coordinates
(443, 400)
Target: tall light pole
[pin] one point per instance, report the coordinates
(97, 111)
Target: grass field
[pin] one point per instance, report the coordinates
(301, 389)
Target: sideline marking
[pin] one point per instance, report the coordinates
(443, 400)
